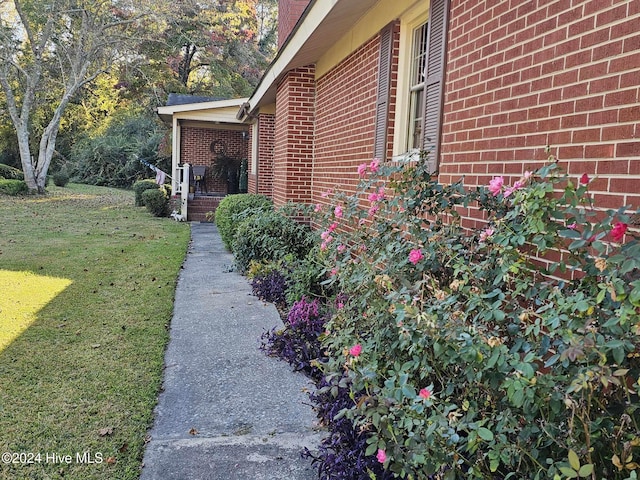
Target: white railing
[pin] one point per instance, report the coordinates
(182, 187)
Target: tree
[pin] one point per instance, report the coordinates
(48, 51)
(220, 47)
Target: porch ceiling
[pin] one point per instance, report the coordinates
(324, 21)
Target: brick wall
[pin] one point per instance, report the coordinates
(345, 115)
(266, 131)
(293, 149)
(289, 12)
(195, 150)
(524, 74)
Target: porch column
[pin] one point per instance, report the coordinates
(175, 155)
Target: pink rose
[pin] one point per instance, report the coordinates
(356, 350)
(495, 185)
(415, 255)
(338, 211)
(362, 169)
(486, 233)
(516, 186)
(374, 165)
(317, 208)
(572, 226)
(381, 455)
(425, 393)
(618, 231)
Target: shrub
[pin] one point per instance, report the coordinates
(10, 173)
(60, 179)
(485, 354)
(110, 154)
(140, 187)
(270, 287)
(156, 201)
(228, 214)
(298, 342)
(305, 278)
(13, 187)
(341, 454)
(270, 236)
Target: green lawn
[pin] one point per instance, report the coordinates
(86, 294)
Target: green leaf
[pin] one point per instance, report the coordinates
(569, 233)
(371, 449)
(577, 244)
(574, 461)
(634, 297)
(518, 398)
(567, 472)
(485, 434)
(618, 355)
(585, 470)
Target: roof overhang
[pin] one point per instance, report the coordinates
(221, 111)
(322, 23)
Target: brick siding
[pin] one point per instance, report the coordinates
(293, 149)
(345, 115)
(262, 183)
(522, 75)
(195, 150)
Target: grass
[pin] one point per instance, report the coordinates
(87, 282)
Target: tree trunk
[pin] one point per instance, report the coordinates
(25, 159)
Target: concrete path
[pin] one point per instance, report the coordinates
(227, 411)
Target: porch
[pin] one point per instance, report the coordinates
(210, 148)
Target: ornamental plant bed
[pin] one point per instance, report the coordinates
(463, 354)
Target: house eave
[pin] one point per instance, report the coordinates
(316, 31)
(198, 111)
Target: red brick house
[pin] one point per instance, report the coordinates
(488, 85)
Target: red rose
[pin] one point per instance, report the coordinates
(618, 231)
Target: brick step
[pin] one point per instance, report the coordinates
(200, 206)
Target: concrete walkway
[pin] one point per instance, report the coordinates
(227, 411)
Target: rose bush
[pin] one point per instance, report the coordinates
(507, 352)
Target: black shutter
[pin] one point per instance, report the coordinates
(384, 82)
(434, 80)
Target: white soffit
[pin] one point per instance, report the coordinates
(325, 21)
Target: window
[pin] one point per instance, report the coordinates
(421, 80)
(417, 87)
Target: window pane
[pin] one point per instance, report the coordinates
(419, 55)
(418, 72)
(416, 118)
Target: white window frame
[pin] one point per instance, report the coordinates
(417, 86)
(408, 25)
